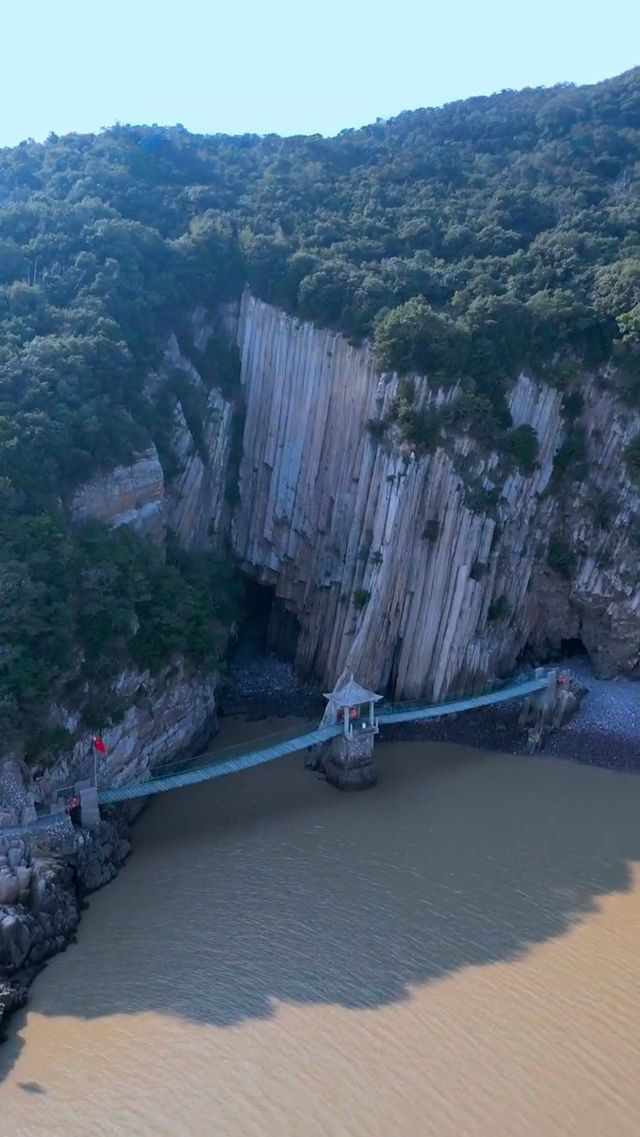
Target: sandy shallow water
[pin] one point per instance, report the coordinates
(453, 954)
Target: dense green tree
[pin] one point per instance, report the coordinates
(466, 242)
(629, 324)
(415, 338)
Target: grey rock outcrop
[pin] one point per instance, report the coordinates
(348, 764)
(41, 894)
(128, 495)
(372, 549)
(192, 503)
(196, 506)
(167, 715)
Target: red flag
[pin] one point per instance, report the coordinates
(99, 745)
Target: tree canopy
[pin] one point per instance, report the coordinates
(465, 241)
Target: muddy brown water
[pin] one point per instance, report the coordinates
(453, 954)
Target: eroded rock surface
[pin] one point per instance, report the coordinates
(375, 551)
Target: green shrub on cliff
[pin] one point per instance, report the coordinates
(420, 427)
(361, 598)
(561, 557)
(415, 338)
(91, 601)
(522, 446)
(569, 463)
(431, 531)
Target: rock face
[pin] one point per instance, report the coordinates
(168, 715)
(374, 550)
(196, 507)
(129, 495)
(374, 553)
(45, 873)
(192, 503)
(600, 603)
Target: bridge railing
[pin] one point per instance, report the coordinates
(254, 753)
(386, 707)
(223, 754)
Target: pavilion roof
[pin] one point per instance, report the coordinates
(351, 695)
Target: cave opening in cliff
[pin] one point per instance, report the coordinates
(267, 626)
(573, 648)
(568, 648)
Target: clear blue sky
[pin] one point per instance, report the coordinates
(289, 66)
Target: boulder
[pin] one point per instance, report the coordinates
(9, 888)
(565, 707)
(15, 940)
(16, 854)
(23, 875)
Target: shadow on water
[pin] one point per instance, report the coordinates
(273, 887)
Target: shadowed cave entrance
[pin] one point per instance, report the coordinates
(266, 625)
(573, 649)
(569, 648)
(262, 681)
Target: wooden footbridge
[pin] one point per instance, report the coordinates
(219, 763)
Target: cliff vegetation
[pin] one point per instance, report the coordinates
(467, 242)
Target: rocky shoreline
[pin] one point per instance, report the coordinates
(265, 686)
(45, 876)
(604, 732)
(57, 876)
(492, 730)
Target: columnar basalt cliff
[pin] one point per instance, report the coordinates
(377, 551)
(383, 557)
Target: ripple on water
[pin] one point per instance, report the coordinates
(452, 954)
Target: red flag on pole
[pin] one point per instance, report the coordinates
(99, 745)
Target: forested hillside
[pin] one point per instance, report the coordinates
(466, 242)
